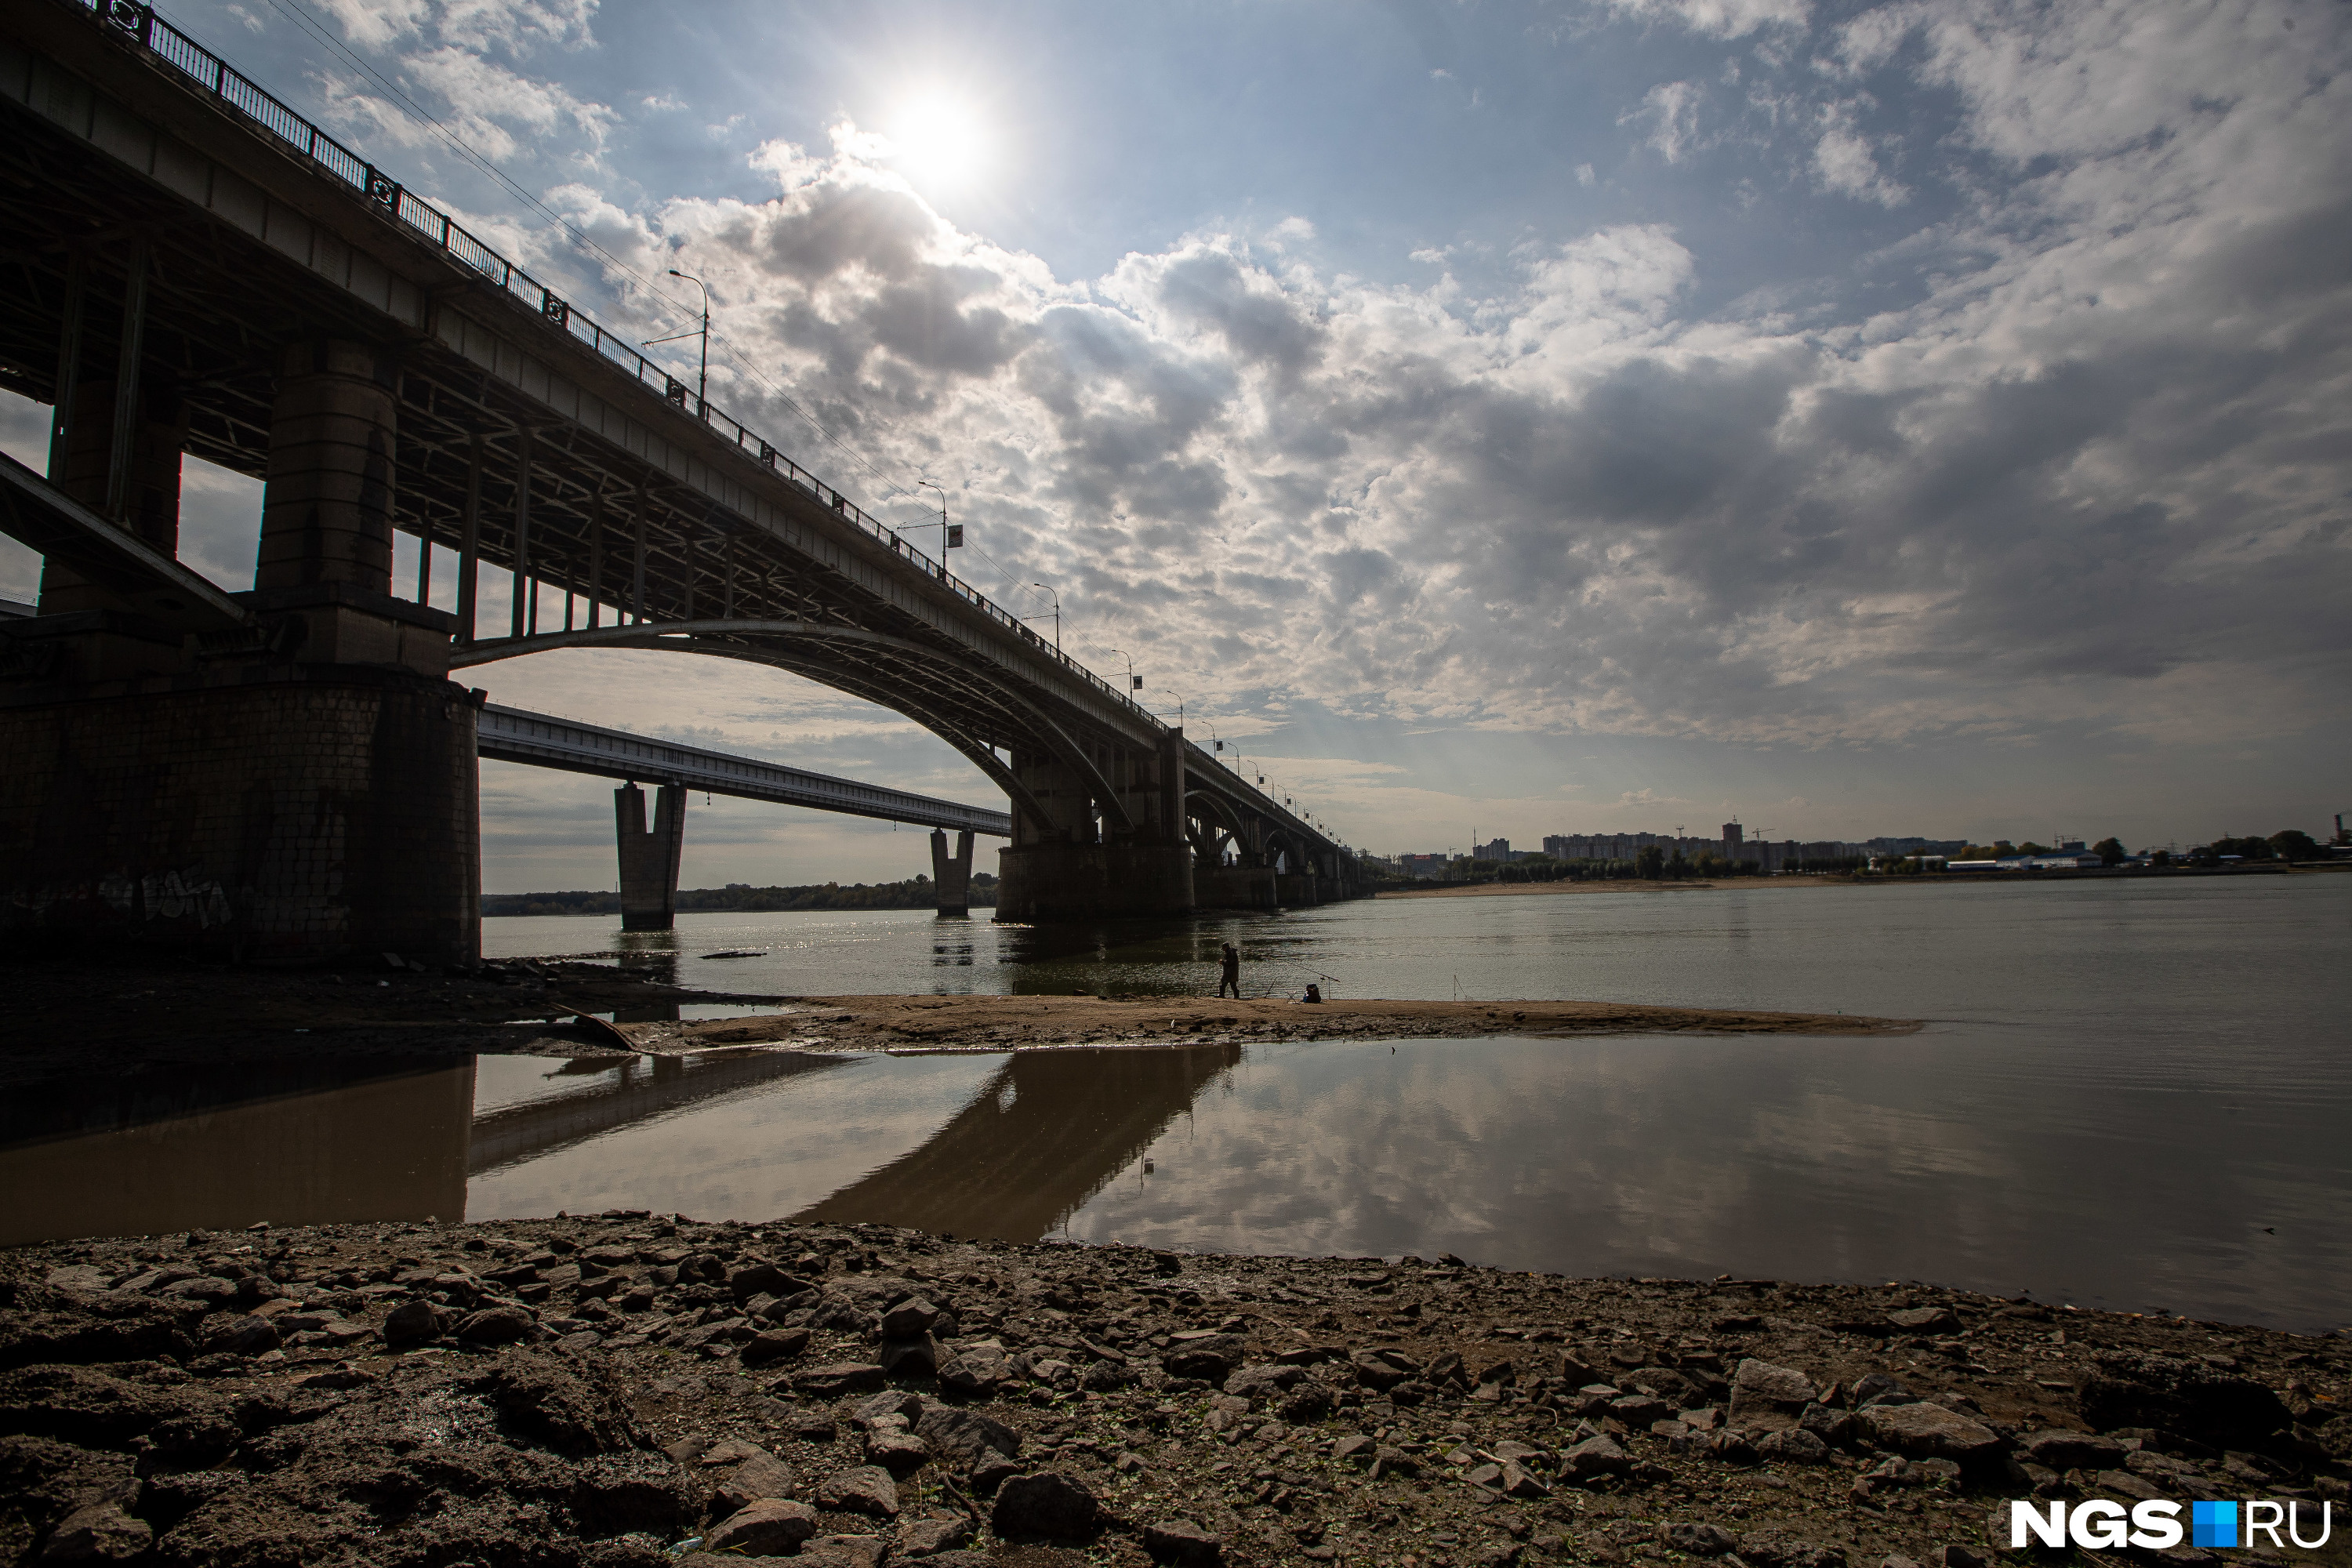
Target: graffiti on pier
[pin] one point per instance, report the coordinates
(175, 895)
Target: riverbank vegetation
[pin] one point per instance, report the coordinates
(741, 897)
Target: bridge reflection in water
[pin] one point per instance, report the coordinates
(402, 1139)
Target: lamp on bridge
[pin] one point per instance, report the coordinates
(1057, 615)
(1134, 681)
(702, 381)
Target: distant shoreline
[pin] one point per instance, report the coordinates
(1995, 878)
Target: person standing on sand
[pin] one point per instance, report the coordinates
(1230, 972)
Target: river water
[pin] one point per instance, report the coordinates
(2128, 1095)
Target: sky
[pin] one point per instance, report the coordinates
(1485, 418)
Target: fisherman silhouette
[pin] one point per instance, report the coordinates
(1230, 972)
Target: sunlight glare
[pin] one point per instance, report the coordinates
(939, 139)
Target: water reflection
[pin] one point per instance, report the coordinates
(292, 1144)
(1046, 1132)
(1970, 1155)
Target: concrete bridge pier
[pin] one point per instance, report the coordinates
(302, 787)
(1111, 845)
(649, 860)
(951, 873)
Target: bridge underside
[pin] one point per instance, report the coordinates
(174, 283)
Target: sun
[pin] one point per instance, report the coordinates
(938, 141)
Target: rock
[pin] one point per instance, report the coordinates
(1263, 1380)
(991, 1473)
(1639, 1410)
(241, 1336)
(900, 1453)
(843, 1551)
(867, 1489)
(974, 1368)
(496, 1326)
(1307, 1405)
(1927, 1431)
(1795, 1445)
(771, 1527)
(890, 1405)
(2062, 1450)
(1595, 1456)
(1759, 1388)
(757, 1476)
(1383, 1368)
(412, 1322)
(757, 1278)
(2124, 1389)
(1831, 1426)
(918, 1357)
(967, 1436)
(929, 1537)
(614, 1493)
(1519, 1482)
(1925, 1321)
(1879, 1389)
(1698, 1540)
(1212, 1357)
(97, 1533)
(1961, 1557)
(911, 1319)
(774, 1345)
(1108, 1376)
(1390, 1460)
(833, 1382)
(1355, 1448)
(1182, 1544)
(1047, 1503)
(538, 1398)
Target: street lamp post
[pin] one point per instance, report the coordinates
(702, 378)
(1180, 705)
(949, 537)
(1134, 681)
(1057, 615)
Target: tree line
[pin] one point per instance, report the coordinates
(741, 897)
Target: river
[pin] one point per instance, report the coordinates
(2128, 1095)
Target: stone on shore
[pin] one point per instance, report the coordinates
(773, 1527)
(1047, 1504)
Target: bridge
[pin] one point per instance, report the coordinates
(190, 266)
(649, 858)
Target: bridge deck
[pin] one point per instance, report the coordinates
(512, 735)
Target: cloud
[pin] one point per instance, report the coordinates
(1670, 111)
(1845, 163)
(1717, 19)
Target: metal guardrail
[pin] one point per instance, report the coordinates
(513, 735)
(394, 203)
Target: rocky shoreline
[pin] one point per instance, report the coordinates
(632, 1391)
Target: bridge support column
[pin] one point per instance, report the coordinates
(951, 874)
(1233, 886)
(1070, 869)
(269, 813)
(649, 861)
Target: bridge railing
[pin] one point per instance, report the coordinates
(389, 200)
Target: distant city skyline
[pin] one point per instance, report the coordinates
(1857, 417)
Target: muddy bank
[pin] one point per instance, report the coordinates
(1013, 1022)
(602, 1391)
(65, 1018)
